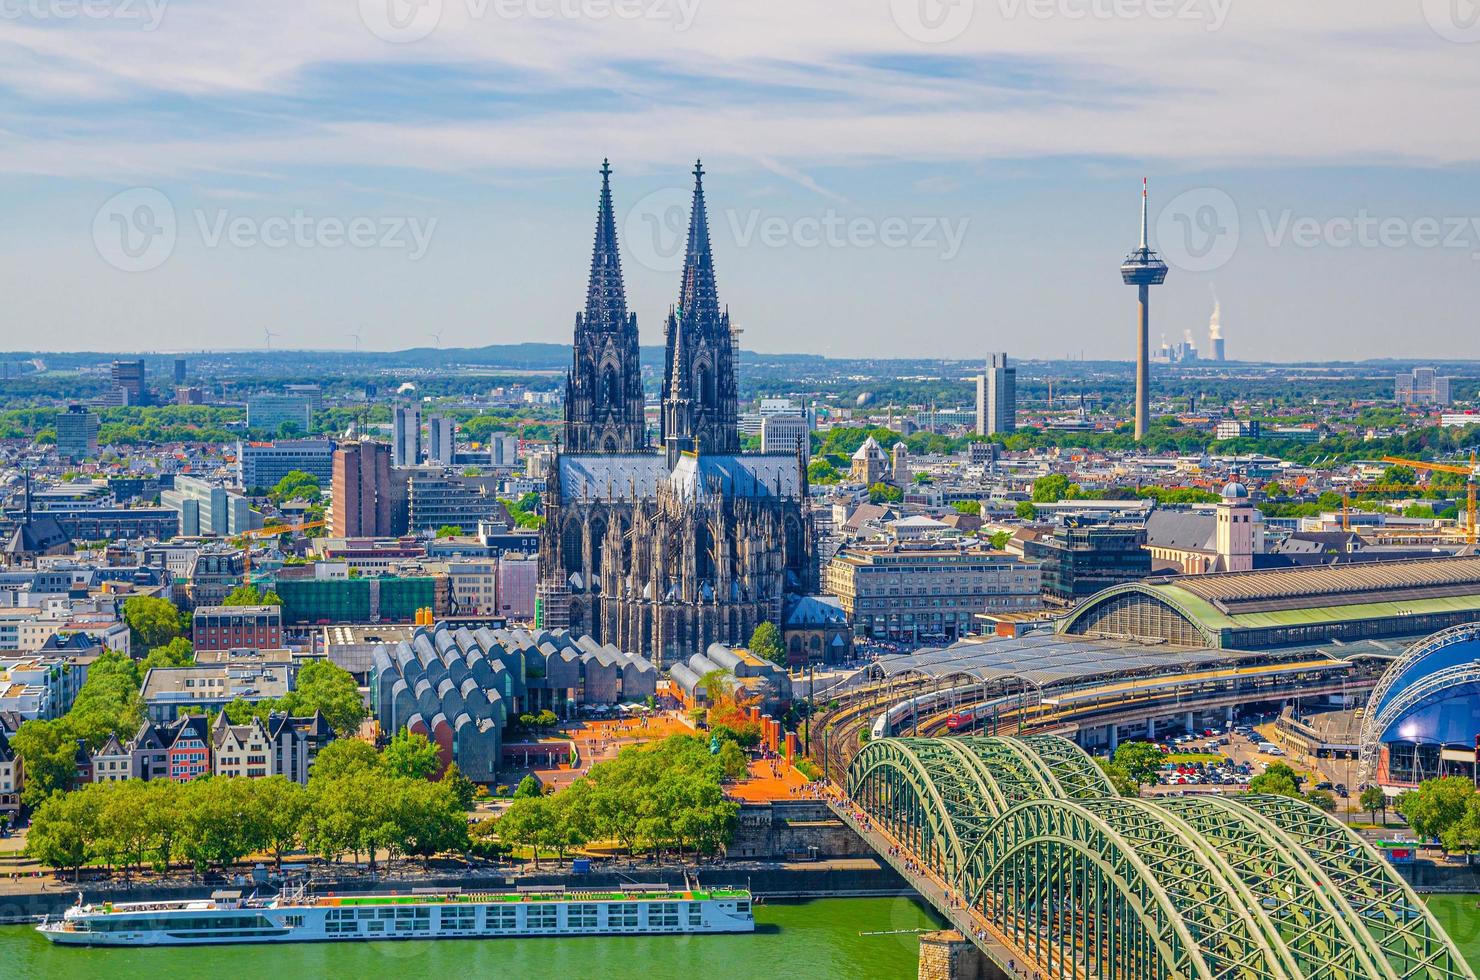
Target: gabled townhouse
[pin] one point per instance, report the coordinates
(240, 750)
(83, 761)
(150, 751)
(296, 742)
(189, 750)
(12, 778)
(112, 762)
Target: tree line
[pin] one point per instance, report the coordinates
(357, 802)
(662, 798)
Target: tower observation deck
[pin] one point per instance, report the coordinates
(1143, 268)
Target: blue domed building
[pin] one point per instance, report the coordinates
(1423, 719)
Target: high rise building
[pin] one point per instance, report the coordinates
(996, 397)
(179, 371)
(1143, 269)
(441, 440)
(361, 505)
(786, 434)
(405, 435)
(77, 433)
(260, 465)
(207, 508)
(274, 414)
(1422, 386)
(128, 376)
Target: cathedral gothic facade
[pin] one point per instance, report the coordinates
(664, 549)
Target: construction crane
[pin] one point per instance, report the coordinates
(248, 538)
(1469, 472)
(1371, 488)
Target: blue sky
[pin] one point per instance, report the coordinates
(885, 176)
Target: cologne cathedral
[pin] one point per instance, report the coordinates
(664, 549)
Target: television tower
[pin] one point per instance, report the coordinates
(1143, 268)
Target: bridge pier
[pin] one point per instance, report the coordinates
(948, 955)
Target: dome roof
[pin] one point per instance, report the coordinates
(1234, 490)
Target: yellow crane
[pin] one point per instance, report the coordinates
(1469, 472)
(248, 538)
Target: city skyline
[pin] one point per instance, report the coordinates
(872, 185)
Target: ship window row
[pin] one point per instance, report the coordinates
(178, 923)
(505, 918)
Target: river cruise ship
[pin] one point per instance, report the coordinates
(227, 917)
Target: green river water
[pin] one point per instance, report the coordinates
(817, 940)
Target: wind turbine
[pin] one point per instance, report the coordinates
(267, 336)
(436, 337)
(354, 335)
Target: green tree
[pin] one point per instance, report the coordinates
(430, 819)
(766, 643)
(1124, 784)
(341, 757)
(969, 507)
(528, 787)
(1278, 780)
(250, 595)
(152, 622)
(1322, 799)
(1141, 761)
(885, 493)
(411, 755)
(179, 652)
(1050, 489)
(1436, 806)
(449, 531)
(1374, 800)
(278, 808)
(64, 831)
(463, 788)
(327, 687)
(1026, 511)
(823, 473)
(296, 485)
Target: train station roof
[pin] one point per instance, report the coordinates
(1049, 658)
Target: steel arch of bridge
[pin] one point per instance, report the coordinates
(1085, 884)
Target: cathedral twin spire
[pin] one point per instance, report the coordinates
(700, 395)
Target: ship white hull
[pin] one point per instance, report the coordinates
(204, 926)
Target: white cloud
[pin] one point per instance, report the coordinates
(785, 86)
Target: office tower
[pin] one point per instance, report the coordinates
(406, 436)
(1421, 386)
(441, 440)
(273, 415)
(786, 434)
(77, 433)
(179, 371)
(129, 377)
(361, 505)
(1143, 269)
(996, 397)
(261, 465)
